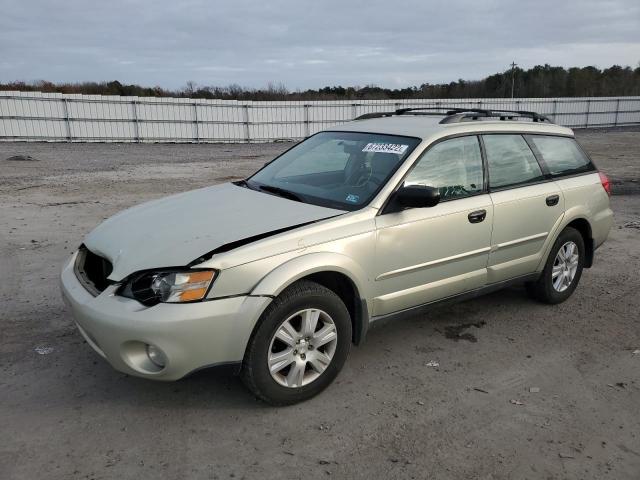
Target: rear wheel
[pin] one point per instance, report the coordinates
(563, 269)
(301, 343)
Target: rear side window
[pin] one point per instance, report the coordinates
(561, 155)
(453, 166)
(511, 161)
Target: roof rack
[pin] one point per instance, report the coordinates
(375, 115)
(456, 115)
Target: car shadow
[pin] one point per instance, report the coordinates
(90, 379)
(444, 317)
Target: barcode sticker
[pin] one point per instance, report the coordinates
(396, 148)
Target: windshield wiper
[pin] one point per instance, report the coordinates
(281, 192)
(270, 189)
(242, 183)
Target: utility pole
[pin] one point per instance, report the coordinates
(513, 76)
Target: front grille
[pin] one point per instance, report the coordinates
(92, 270)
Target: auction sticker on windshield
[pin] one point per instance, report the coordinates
(396, 148)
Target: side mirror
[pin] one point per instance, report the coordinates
(415, 196)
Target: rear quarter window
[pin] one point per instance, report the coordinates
(511, 161)
(561, 155)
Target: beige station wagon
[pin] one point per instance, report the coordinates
(279, 274)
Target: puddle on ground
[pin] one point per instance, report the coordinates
(633, 224)
(457, 332)
(21, 158)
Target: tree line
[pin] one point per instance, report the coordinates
(537, 82)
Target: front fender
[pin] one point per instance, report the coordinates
(295, 269)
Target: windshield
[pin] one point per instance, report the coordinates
(342, 170)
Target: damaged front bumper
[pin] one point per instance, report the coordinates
(190, 336)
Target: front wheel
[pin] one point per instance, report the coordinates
(563, 269)
(299, 346)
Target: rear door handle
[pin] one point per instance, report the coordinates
(477, 216)
(553, 200)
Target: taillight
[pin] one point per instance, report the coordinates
(606, 183)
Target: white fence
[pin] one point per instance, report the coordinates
(34, 116)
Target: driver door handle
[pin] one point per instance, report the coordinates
(477, 216)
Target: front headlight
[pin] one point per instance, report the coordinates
(169, 286)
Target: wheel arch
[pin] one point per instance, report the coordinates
(582, 225)
(337, 272)
(576, 218)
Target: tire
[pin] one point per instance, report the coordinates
(267, 351)
(550, 288)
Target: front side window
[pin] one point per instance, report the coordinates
(511, 161)
(342, 170)
(453, 166)
(561, 155)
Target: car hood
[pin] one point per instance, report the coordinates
(176, 230)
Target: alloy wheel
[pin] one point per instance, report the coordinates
(565, 266)
(302, 348)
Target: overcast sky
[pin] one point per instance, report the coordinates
(307, 43)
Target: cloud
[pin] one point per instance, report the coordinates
(308, 44)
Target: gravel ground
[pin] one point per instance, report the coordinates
(520, 390)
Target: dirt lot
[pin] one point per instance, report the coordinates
(67, 414)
